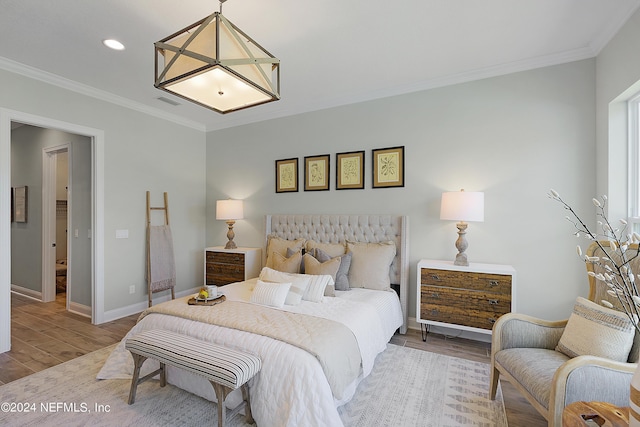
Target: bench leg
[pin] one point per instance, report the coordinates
(138, 360)
(221, 395)
(163, 375)
(247, 409)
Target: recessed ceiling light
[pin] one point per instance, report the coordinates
(113, 44)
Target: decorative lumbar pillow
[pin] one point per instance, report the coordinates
(333, 249)
(341, 278)
(279, 245)
(320, 285)
(299, 283)
(370, 264)
(316, 283)
(314, 267)
(597, 331)
(287, 265)
(269, 293)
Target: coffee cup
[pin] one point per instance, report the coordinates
(212, 290)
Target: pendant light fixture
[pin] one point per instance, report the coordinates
(216, 65)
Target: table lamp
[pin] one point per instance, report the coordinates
(229, 210)
(462, 206)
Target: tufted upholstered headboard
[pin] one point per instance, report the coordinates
(326, 228)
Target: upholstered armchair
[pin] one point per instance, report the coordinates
(524, 352)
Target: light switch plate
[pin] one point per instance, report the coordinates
(122, 234)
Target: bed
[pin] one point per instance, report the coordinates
(303, 379)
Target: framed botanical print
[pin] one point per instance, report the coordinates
(388, 167)
(316, 173)
(20, 204)
(350, 170)
(287, 175)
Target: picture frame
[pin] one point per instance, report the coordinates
(287, 175)
(316, 173)
(388, 167)
(350, 170)
(20, 204)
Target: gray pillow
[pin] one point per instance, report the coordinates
(342, 278)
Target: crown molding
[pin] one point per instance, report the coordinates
(55, 80)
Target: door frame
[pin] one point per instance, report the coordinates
(97, 213)
(49, 220)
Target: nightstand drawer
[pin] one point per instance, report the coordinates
(225, 258)
(465, 299)
(223, 266)
(458, 316)
(495, 283)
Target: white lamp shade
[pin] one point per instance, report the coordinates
(462, 206)
(229, 209)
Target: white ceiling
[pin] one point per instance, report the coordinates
(332, 52)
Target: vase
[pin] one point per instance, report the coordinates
(634, 400)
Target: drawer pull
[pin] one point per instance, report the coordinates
(435, 277)
(491, 320)
(493, 283)
(434, 312)
(435, 295)
(493, 301)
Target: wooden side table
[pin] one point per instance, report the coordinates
(224, 266)
(586, 414)
(468, 298)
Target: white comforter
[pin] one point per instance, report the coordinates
(291, 389)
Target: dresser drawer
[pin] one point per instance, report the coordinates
(458, 316)
(225, 258)
(494, 283)
(465, 299)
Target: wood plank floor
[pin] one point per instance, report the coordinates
(45, 334)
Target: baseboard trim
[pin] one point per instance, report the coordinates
(80, 309)
(138, 307)
(29, 293)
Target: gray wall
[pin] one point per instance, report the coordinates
(513, 137)
(141, 153)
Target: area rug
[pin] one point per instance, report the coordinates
(407, 387)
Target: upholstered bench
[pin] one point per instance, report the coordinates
(225, 368)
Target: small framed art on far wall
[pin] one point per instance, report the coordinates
(388, 167)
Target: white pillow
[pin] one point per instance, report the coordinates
(597, 331)
(370, 263)
(317, 283)
(269, 293)
(299, 283)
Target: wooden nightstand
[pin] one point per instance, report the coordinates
(224, 266)
(467, 298)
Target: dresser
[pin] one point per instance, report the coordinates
(224, 266)
(468, 298)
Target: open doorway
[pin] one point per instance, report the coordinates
(56, 166)
(96, 250)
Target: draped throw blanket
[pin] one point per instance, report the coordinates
(331, 342)
(161, 258)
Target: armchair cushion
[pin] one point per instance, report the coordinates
(533, 368)
(597, 331)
